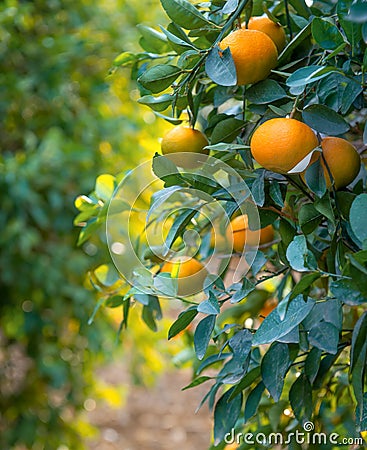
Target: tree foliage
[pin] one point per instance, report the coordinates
(58, 115)
(307, 358)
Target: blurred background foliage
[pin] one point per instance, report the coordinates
(63, 120)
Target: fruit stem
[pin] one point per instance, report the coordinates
(244, 103)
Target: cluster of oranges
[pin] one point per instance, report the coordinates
(278, 145)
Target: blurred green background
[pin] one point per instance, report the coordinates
(64, 121)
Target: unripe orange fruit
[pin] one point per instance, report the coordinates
(240, 235)
(342, 159)
(272, 29)
(185, 140)
(190, 273)
(280, 144)
(254, 54)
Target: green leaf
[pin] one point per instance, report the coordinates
(347, 292)
(276, 194)
(240, 344)
(178, 227)
(258, 189)
(183, 320)
(213, 359)
(178, 41)
(352, 90)
(196, 382)
(310, 74)
(324, 206)
(358, 11)
(359, 339)
(202, 335)
(162, 196)
(107, 275)
(312, 364)
(326, 34)
(156, 103)
(294, 43)
(165, 284)
(105, 185)
(230, 6)
(114, 301)
(325, 120)
(125, 59)
(309, 218)
(184, 14)
(298, 255)
(226, 130)
(88, 230)
(209, 306)
(220, 68)
(358, 217)
(169, 119)
(246, 381)
(152, 40)
(324, 336)
(300, 397)
(274, 328)
(265, 92)
(225, 415)
(253, 400)
(152, 312)
(301, 7)
(351, 29)
(304, 283)
(315, 178)
(246, 288)
(358, 365)
(164, 169)
(274, 367)
(159, 77)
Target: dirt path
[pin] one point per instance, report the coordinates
(161, 418)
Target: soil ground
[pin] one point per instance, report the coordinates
(158, 418)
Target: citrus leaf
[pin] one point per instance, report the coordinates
(159, 77)
(156, 103)
(274, 366)
(220, 68)
(202, 335)
(184, 14)
(184, 319)
(358, 217)
(326, 34)
(274, 328)
(265, 92)
(225, 415)
(325, 120)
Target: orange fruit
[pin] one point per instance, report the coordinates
(280, 144)
(253, 52)
(185, 140)
(240, 235)
(342, 160)
(272, 29)
(190, 273)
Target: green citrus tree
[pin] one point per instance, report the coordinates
(58, 114)
(258, 210)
